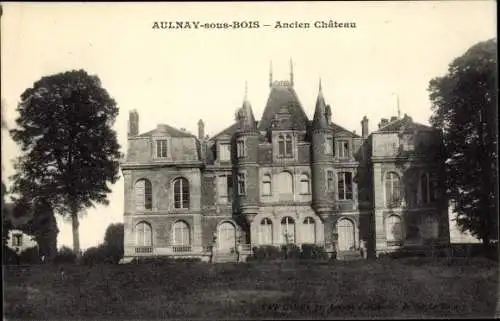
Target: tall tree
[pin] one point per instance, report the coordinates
(465, 108)
(70, 152)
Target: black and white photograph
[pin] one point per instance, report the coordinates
(249, 160)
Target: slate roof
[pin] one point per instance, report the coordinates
(283, 95)
(403, 124)
(167, 130)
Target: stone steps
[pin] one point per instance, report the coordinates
(225, 258)
(349, 255)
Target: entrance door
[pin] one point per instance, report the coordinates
(345, 230)
(226, 239)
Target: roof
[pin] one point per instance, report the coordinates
(167, 130)
(283, 99)
(339, 129)
(228, 131)
(403, 124)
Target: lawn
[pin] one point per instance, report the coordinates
(385, 288)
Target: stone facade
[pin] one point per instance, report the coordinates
(283, 179)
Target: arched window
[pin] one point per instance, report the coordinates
(266, 231)
(394, 229)
(266, 185)
(181, 233)
(181, 193)
(309, 231)
(429, 229)
(144, 235)
(392, 190)
(288, 230)
(143, 195)
(304, 184)
(285, 183)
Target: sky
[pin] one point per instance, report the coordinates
(180, 76)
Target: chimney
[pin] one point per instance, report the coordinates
(201, 130)
(364, 127)
(133, 123)
(383, 122)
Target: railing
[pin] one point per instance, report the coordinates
(181, 248)
(144, 250)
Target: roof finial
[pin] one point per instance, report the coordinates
(291, 71)
(246, 90)
(271, 73)
(397, 104)
(320, 87)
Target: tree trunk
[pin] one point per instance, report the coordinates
(76, 234)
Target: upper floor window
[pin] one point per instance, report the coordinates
(266, 185)
(329, 147)
(304, 184)
(161, 148)
(329, 180)
(241, 184)
(285, 145)
(143, 195)
(224, 152)
(240, 148)
(17, 239)
(285, 183)
(345, 186)
(343, 149)
(428, 186)
(392, 190)
(181, 193)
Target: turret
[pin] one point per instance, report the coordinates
(246, 141)
(133, 123)
(320, 113)
(322, 155)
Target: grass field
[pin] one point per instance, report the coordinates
(386, 288)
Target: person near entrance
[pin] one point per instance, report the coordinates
(238, 251)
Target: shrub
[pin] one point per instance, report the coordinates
(30, 256)
(266, 252)
(65, 255)
(291, 251)
(94, 255)
(314, 252)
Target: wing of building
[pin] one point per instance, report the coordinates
(283, 179)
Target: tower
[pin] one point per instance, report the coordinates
(246, 171)
(322, 156)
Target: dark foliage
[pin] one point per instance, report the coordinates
(313, 251)
(288, 252)
(465, 109)
(69, 150)
(30, 256)
(65, 255)
(9, 256)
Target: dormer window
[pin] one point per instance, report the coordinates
(224, 152)
(343, 149)
(161, 148)
(285, 146)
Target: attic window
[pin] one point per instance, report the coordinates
(285, 146)
(343, 149)
(161, 148)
